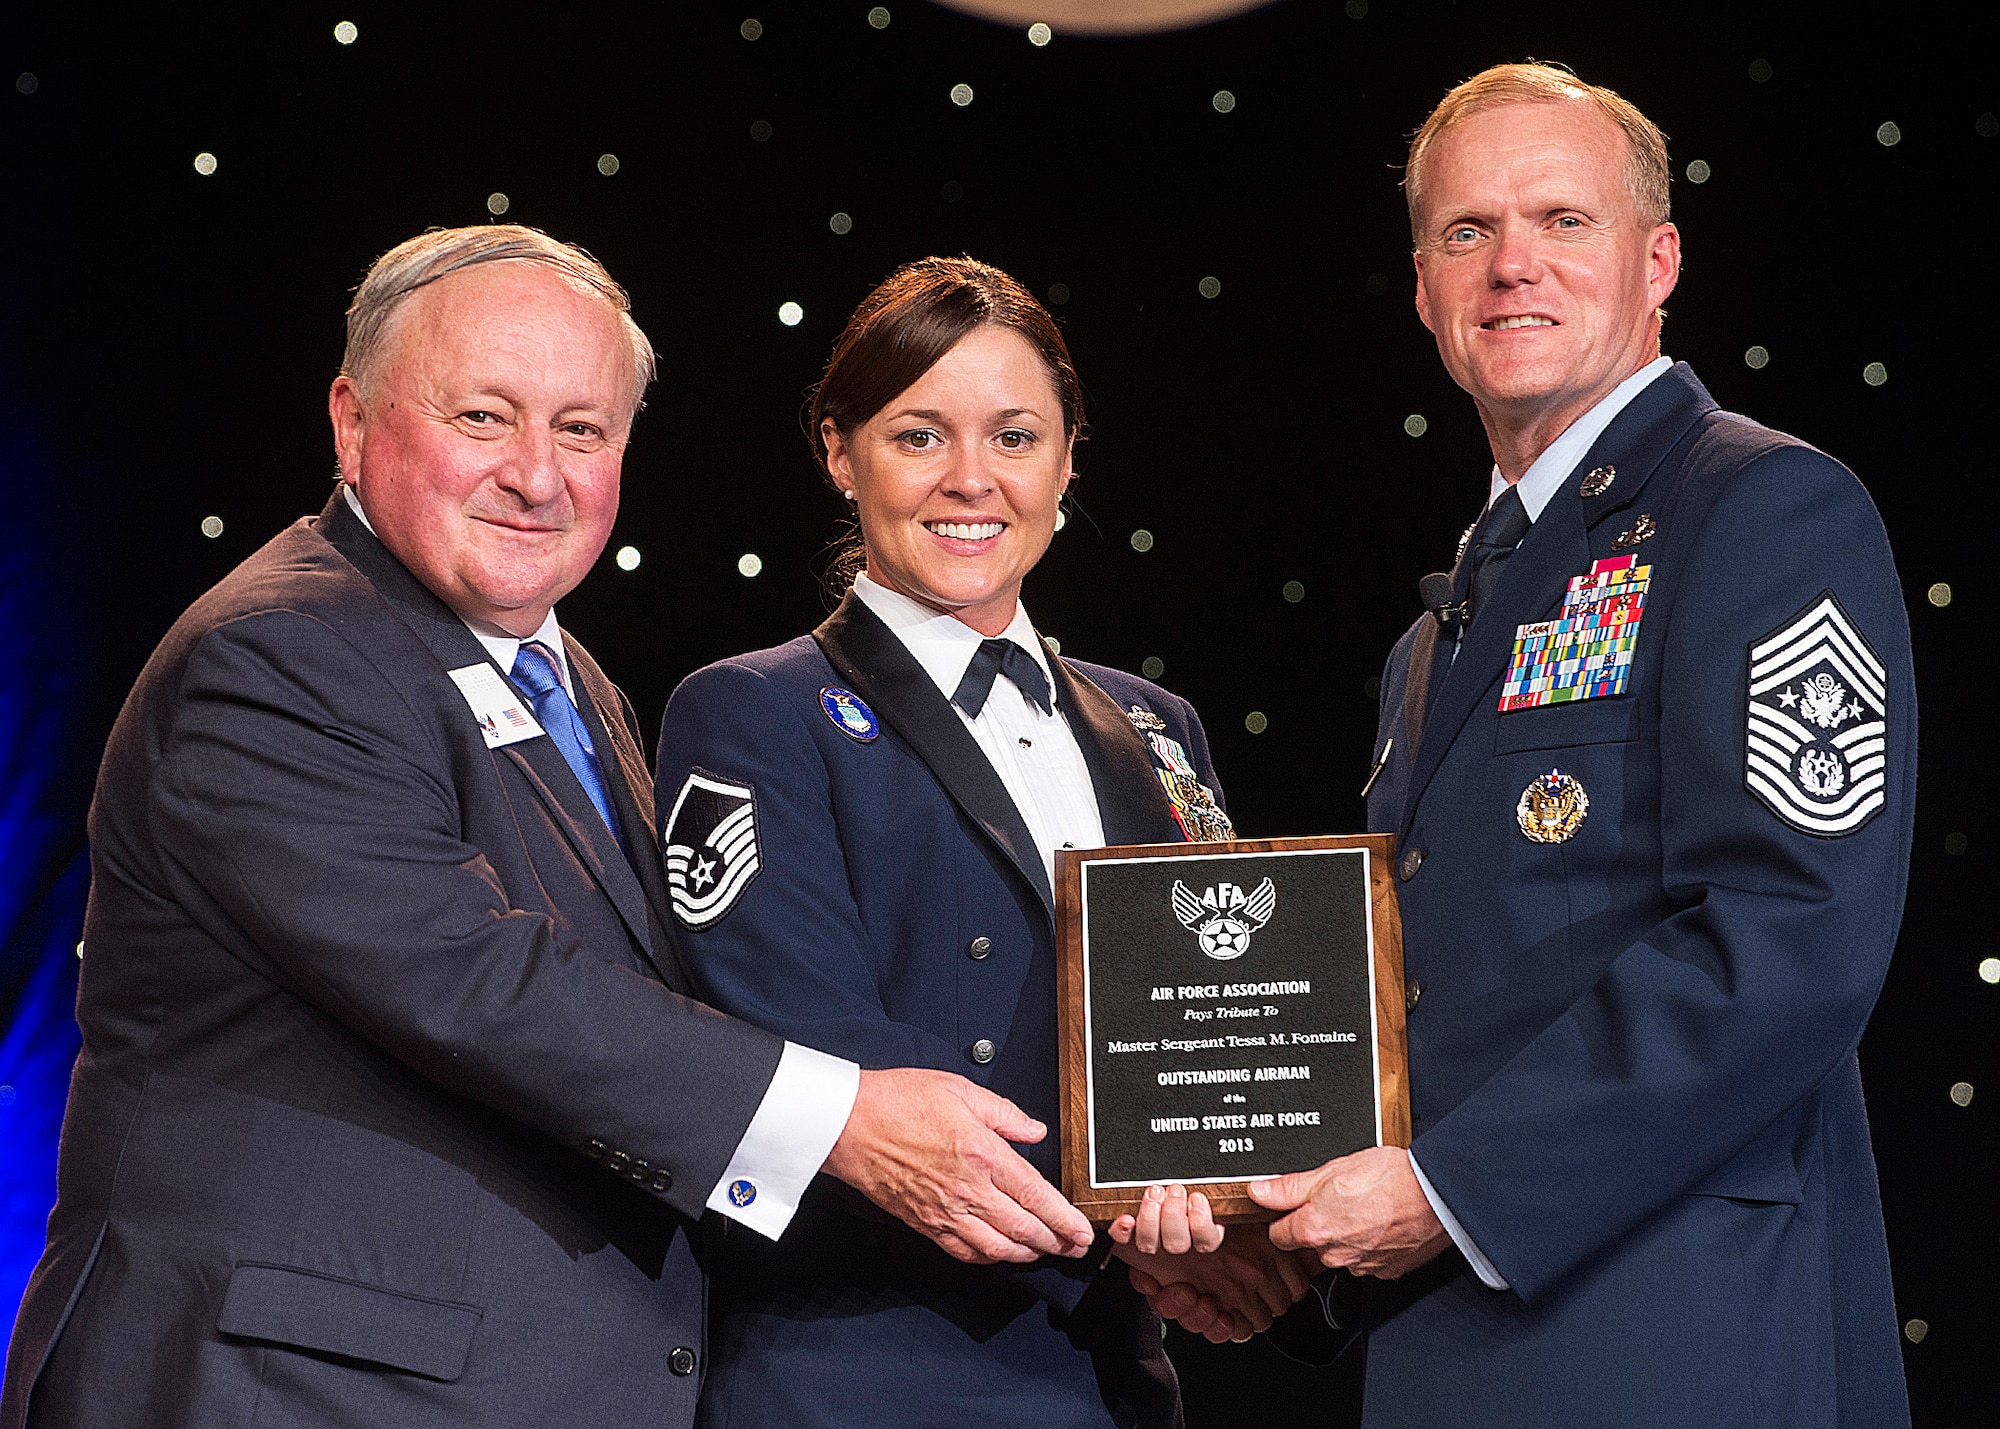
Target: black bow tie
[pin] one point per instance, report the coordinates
(1001, 657)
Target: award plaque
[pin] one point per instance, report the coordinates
(1227, 1012)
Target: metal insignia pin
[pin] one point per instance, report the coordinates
(1552, 808)
(1598, 481)
(1144, 719)
(1640, 530)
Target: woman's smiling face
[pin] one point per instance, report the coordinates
(957, 478)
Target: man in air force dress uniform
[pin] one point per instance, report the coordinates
(1650, 764)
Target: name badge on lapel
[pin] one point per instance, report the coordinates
(503, 715)
(1586, 652)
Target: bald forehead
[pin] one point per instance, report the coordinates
(509, 292)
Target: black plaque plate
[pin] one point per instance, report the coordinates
(1229, 1011)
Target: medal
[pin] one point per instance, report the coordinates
(1552, 808)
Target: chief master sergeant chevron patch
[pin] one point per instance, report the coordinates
(1817, 741)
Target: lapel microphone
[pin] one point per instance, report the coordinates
(1435, 592)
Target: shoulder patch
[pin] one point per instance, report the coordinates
(712, 853)
(1816, 744)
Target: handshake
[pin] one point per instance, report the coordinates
(932, 1149)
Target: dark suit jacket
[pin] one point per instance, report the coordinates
(902, 915)
(362, 1002)
(1633, 1057)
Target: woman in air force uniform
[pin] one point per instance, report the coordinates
(860, 829)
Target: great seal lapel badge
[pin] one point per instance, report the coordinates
(1598, 481)
(1586, 652)
(1816, 745)
(711, 847)
(849, 715)
(1552, 808)
(1640, 530)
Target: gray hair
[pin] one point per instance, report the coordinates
(418, 262)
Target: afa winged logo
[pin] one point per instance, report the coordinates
(1224, 917)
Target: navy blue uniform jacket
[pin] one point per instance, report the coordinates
(387, 1112)
(900, 914)
(1633, 1055)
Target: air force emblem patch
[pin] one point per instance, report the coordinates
(711, 842)
(1818, 733)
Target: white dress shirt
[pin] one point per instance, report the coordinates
(1035, 754)
(1538, 483)
(807, 1104)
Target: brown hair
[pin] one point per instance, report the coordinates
(913, 318)
(1646, 171)
(901, 331)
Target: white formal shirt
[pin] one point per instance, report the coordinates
(807, 1104)
(1543, 478)
(1035, 754)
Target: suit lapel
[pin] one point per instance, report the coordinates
(1556, 548)
(867, 655)
(548, 774)
(630, 782)
(1131, 805)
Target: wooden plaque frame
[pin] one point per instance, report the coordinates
(1229, 1200)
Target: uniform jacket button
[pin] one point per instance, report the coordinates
(979, 947)
(594, 1149)
(982, 1051)
(681, 1360)
(1413, 859)
(639, 1170)
(663, 1181)
(1410, 995)
(618, 1161)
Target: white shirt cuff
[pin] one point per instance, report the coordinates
(1481, 1266)
(803, 1113)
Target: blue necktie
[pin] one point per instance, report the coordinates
(535, 671)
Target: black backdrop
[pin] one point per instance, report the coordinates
(170, 336)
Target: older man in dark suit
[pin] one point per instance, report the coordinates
(391, 1107)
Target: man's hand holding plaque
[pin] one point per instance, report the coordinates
(1231, 1294)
